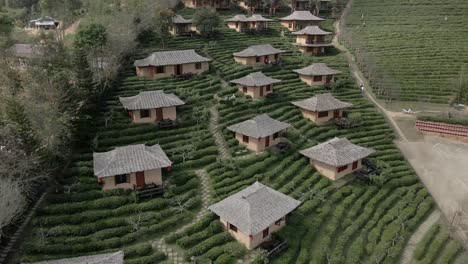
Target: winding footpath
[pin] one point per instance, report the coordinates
(417, 236)
(171, 251)
(217, 134)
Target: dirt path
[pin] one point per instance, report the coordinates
(217, 134)
(174, 253)
(73, 27)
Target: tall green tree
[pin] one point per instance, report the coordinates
(92, 36)
(6, 27)
(16, 114)
(162, 22)
(84, 75)
(207, 21)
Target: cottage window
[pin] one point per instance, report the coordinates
(257, 59)
(268, 88)
(278, 223)
(266, 232)
(245, 139)
(122, 178)
(342, 168)
(276, 135)
(323, 114)
(317, 78)
(232, 227)
(276, 56)
(244, 89)
(160, 69)
(198, 65)
(290, 25)
(145, 113)
(355, 164)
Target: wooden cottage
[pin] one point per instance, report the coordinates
(317, 74)
(131, 167)
(181, 26)
(241, 23)
(171, 63)
(253, 214)
(259, 133)
(311, 40)
(218, 4)
(255, 85)
(299, 20)
(152, 106)
(107, 258)
(45, 23)
(258, 55)
(322, 108)
(337, 157)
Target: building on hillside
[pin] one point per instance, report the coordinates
(251, 5)
(253, 214)
(26, 52)
(171, 63)
(311, 40)
(337, 157)
(131, 167)
(45, 22)
(255, 85)
(302, 5)
(181, 26)
(317, 74)
(258, 55)
(322, 108)
(152, 106)
(259, 133)
(218, 4)
(241, 23)
(299, 20)
(107, 258)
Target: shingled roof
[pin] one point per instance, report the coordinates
(128, 159)
(44, 21)
(243, 18)
(178, 19)
(254, 208)
(255, 79)
(317, 69)
(259, 126)
(258, 50)
(311, 30)
(108, 258)
(150, 100)
(321, 102)
(173, 57)
(337, 152)
(303, 16)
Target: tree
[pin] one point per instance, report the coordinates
(93, 36)
(6, 27)
(162, 22)
(84, 75)
(12, 202)
(207, 21)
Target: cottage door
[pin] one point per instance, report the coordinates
(265, 60)
(267, 142)
(159, 114)
(178, 69)
(336, 113)
(261, 91)
(140, 179)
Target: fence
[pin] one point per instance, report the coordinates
(443, 129)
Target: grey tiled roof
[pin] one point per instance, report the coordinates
(150, 100)
(315, 45)
(128, 159)
(317, 69)
(243, 18)
(26, 50)
(311, 30)
(173, 57)
(258, 50)
(321, 102)
(178, 19)
(108, 258)
(303, 16)
(259, 126)
(254, 208)
(255, 79)
(337, 152)
(43, 21)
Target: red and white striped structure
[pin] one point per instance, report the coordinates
(442, 128)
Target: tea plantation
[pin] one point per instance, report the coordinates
(339, 222)
(419, 47)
